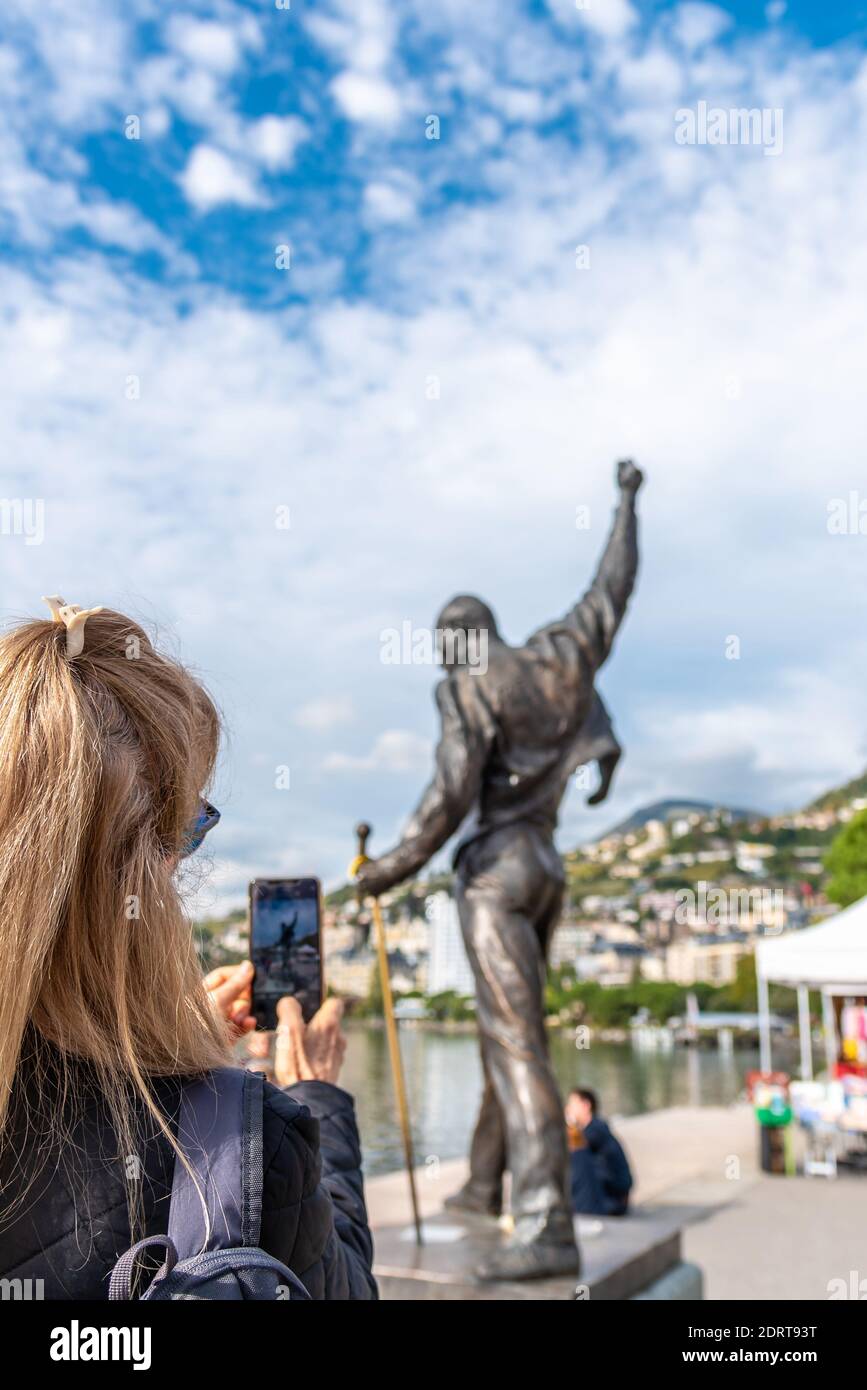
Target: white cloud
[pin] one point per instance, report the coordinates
(610, 18)
(360, 32)
(519, 103)
(388, 202)
(395, 750)
(656, 74)
(40, 207)
(85, 51)
(211, 178)
(326, 712)
(366, 98)
(813, 729)
(273, 140)
(156, 121)
(361, 35)
(197, 94)
(206, 43)
(697, 24)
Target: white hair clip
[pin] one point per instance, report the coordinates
(74, 617)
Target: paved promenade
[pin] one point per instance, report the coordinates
(667, 1148)
(755, 1236)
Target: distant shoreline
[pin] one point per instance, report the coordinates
(618, 1036)
(424, 1025)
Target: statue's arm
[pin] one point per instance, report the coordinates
(597, 742)
(596, 617)
(460, 760)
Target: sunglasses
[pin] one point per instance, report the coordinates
(205, 821)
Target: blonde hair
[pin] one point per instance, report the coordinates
(103, 759)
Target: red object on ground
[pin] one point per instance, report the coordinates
(766, 1078)
(849, 1069)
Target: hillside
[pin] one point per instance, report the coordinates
(667, 810)
(792, 846)
(837, 797)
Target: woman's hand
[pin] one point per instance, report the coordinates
(258, 1048)
(230, 990)
(312, 1051)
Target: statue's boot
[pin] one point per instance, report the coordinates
(469, 1198)
(539, 1259)
(542, 1247)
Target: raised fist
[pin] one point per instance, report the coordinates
(629, 477)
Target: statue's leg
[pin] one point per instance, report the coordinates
(508, 891)
(483, 1190)
(546, 924)
(488, 1146)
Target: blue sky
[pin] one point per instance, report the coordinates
(432, 386)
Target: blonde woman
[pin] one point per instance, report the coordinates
(106, 749)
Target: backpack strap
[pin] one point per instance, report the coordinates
(252, 1158)
(219, 1205)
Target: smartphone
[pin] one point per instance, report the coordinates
(285, 945)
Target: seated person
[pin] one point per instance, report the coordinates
(600, 1176)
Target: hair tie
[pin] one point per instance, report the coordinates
(74, 617)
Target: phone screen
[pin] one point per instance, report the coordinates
(285, 945)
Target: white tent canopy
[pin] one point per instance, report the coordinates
(831, 957)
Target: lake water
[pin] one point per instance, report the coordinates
(443, 1076)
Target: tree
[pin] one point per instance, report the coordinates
(449, 1007)
(741, 995)
(846, 862)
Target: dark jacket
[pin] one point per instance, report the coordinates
(513, 734)
(600, 1173)
(74, 1224)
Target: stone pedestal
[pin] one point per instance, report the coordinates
(635, 1256)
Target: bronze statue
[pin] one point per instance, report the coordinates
(513, 734)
